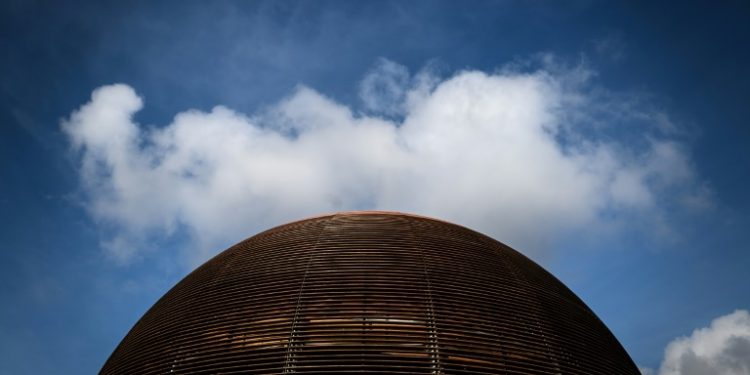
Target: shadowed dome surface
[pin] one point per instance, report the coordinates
(371, 292)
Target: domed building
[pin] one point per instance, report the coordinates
(370, 292)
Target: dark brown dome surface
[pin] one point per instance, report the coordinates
(370, 292)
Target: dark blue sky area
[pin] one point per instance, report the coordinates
(66, 306)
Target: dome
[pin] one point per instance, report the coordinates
(369, 292)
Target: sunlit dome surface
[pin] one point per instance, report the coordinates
(370, 292)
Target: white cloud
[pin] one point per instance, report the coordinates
(504, 153)
(721, 348)
(384, 88)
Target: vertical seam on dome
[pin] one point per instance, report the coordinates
(522, 276)
(433, 348)
(290, 357)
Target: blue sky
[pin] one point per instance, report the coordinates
(610, 140)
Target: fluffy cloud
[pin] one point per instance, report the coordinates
(518, 155)
(721, 348)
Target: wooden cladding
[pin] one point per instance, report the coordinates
(369, 292)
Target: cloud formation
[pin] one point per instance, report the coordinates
(721, 348)
(521, 156)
